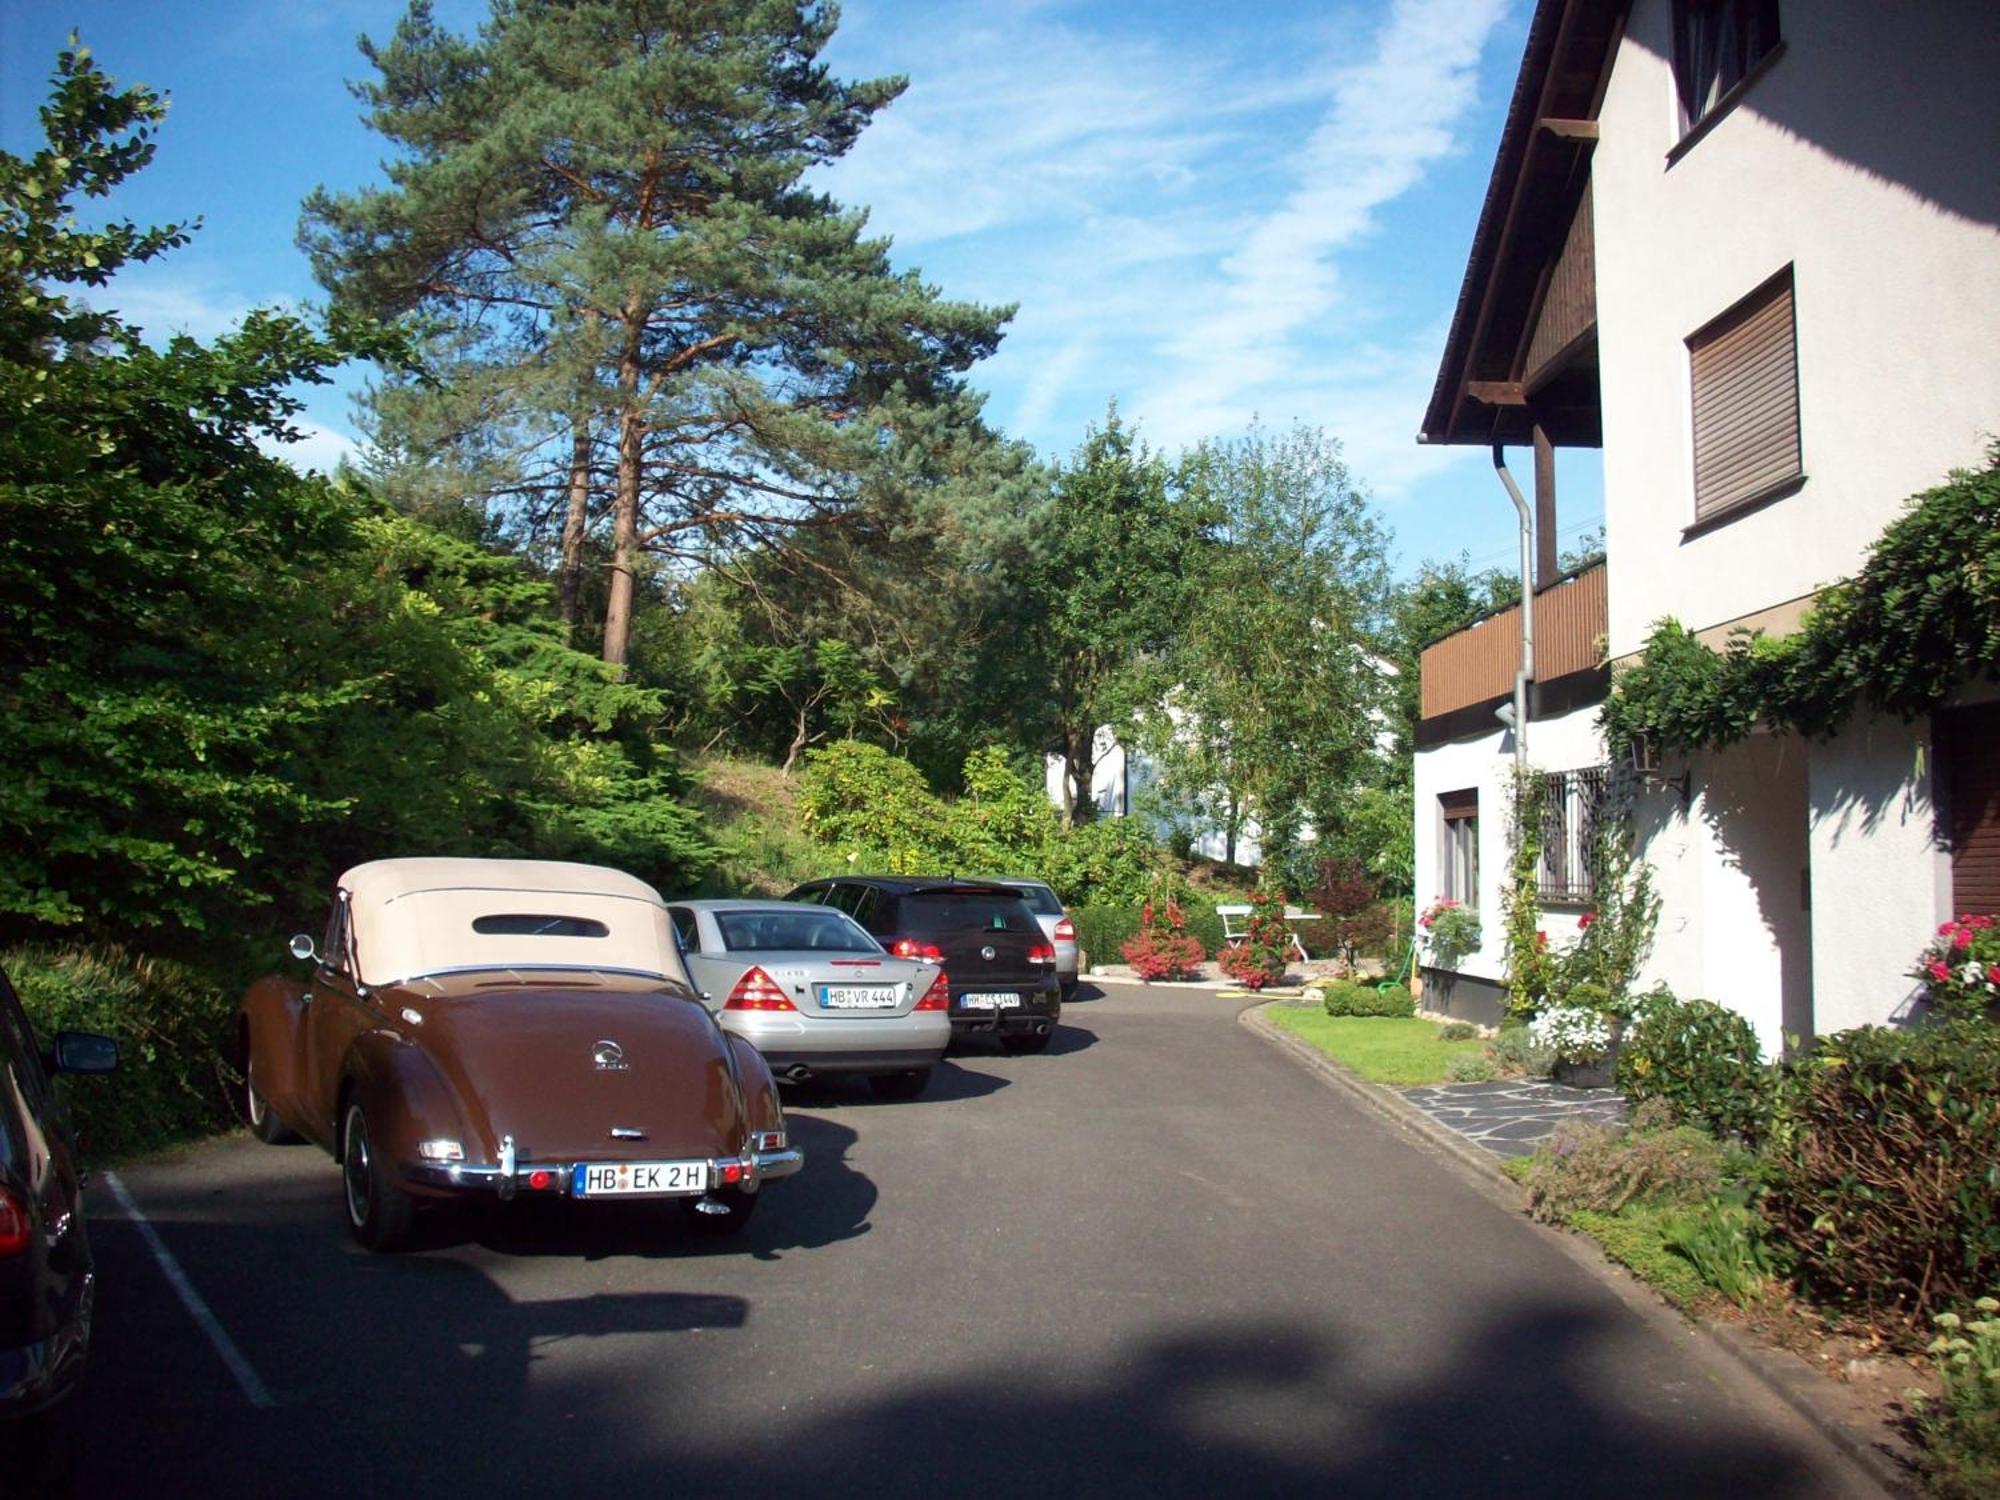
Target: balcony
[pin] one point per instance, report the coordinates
(1469, 674)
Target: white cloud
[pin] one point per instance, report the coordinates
(319, 447)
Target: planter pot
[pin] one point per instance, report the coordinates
(1591, 1075)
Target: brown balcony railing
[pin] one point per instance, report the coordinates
(1477, 664)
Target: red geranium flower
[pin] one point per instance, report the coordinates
(1585, 920)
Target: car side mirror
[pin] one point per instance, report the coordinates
(83, 1052)
(302, 947)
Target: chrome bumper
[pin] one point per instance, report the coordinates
(755, 1167)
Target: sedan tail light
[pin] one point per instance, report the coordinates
(1042, 953)
(1065, 931)
(16, 1227)
(757, 990)
(938, 996)
(915, 948)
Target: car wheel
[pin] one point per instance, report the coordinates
(380, 1214)
(265, 1125)
(737, 1208)
(1028, 1041)
(906, 1085)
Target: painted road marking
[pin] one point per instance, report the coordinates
(254, 1390)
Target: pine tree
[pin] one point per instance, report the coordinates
(606, 202)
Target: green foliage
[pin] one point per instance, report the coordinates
(1702, 1059)
(1530, 966)
(1724, 1240)
(1470, 1067)
(1350, 997)
(1517, 1053)
(1112, 861)
(1920, 619)
(1884, 1169)
(1457, 1031)
(223, 681)
(1450, 931)
(1637, 1239)
(1961, 1428)
(1395, 1051)
(173, 1026)
(1607, 1168)
(1960, 968)
(1276, 690)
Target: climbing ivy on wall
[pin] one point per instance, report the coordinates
(1921, 618)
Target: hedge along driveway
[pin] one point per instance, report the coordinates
(1398, 1052)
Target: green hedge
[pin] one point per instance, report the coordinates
(1101, 931)
(1348, 997)
(174, 1033)
(1883, 1170)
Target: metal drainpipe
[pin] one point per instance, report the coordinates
(1527, 672)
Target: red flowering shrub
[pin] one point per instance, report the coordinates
(1960, 969)
(1259, 958)
(1164, 949)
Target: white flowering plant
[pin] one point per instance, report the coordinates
(1574, 1033)
(1961, 1426)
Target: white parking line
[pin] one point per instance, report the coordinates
(254, 1390)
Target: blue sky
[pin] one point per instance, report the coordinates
(1211, 213)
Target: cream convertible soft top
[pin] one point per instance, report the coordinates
(411, 917)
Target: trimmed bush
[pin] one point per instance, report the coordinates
(1457, 1031)
(1516, 1051)
(1702, 1059)
(1102, 931)
(174, 1032)
(1348, 997)
(1884, 1170)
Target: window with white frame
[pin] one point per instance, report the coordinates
(1458, 867)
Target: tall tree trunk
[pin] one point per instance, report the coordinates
(625, 500)
(1078, 765)
(569, 582)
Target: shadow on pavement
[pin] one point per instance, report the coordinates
(417, 1379)
(1067, 1037)
(846, 1090)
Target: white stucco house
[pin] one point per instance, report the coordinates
(1751, 250)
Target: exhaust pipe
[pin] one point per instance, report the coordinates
(796, 1073)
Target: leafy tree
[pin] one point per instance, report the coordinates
(1118, 567)
(1279, 699)
(623, 180)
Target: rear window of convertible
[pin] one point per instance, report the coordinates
(959, 911)
(531, 924)
(819, 930)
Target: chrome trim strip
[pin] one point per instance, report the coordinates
(780, 1163)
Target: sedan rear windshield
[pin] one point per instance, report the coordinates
(961, 911)
(819, 929)
(1041, 900)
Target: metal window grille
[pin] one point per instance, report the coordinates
(1575, 809)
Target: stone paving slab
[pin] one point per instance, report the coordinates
(1510, 1118)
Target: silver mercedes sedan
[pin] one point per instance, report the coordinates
(814, 993)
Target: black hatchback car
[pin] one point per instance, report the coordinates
(998, 963)
(46, 1277)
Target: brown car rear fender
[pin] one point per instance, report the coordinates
(406, 1098)
(760, 1089)
(271, 1022)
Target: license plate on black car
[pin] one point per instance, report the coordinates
(991, 1002)
(638, 1179)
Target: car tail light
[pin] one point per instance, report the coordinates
(914, 948)
(757, 990)
(938, 996)
(1065, 931)
(16, 1228)
(732, 1171)
(1042, 953)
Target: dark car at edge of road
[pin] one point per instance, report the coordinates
(47, 1277)
(1000, 966)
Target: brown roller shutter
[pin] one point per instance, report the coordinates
(1463, 804)
(1969, 741)
(1746, 401)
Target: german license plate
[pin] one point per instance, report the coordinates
(856, 996)
(998, 1001)
(638, 1179)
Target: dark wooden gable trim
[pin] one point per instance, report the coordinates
(1539, 177)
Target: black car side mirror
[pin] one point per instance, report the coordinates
(83, 1052)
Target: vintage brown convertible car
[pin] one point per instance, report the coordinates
(509, 1028)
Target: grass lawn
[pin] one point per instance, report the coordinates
(1399, 1052)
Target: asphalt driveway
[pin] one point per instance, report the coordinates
(1159, 1260)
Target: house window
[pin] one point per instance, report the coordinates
(1459, 865)
(1969, 757)
(1717, 44)
(1574, 806)
(1745, 370)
